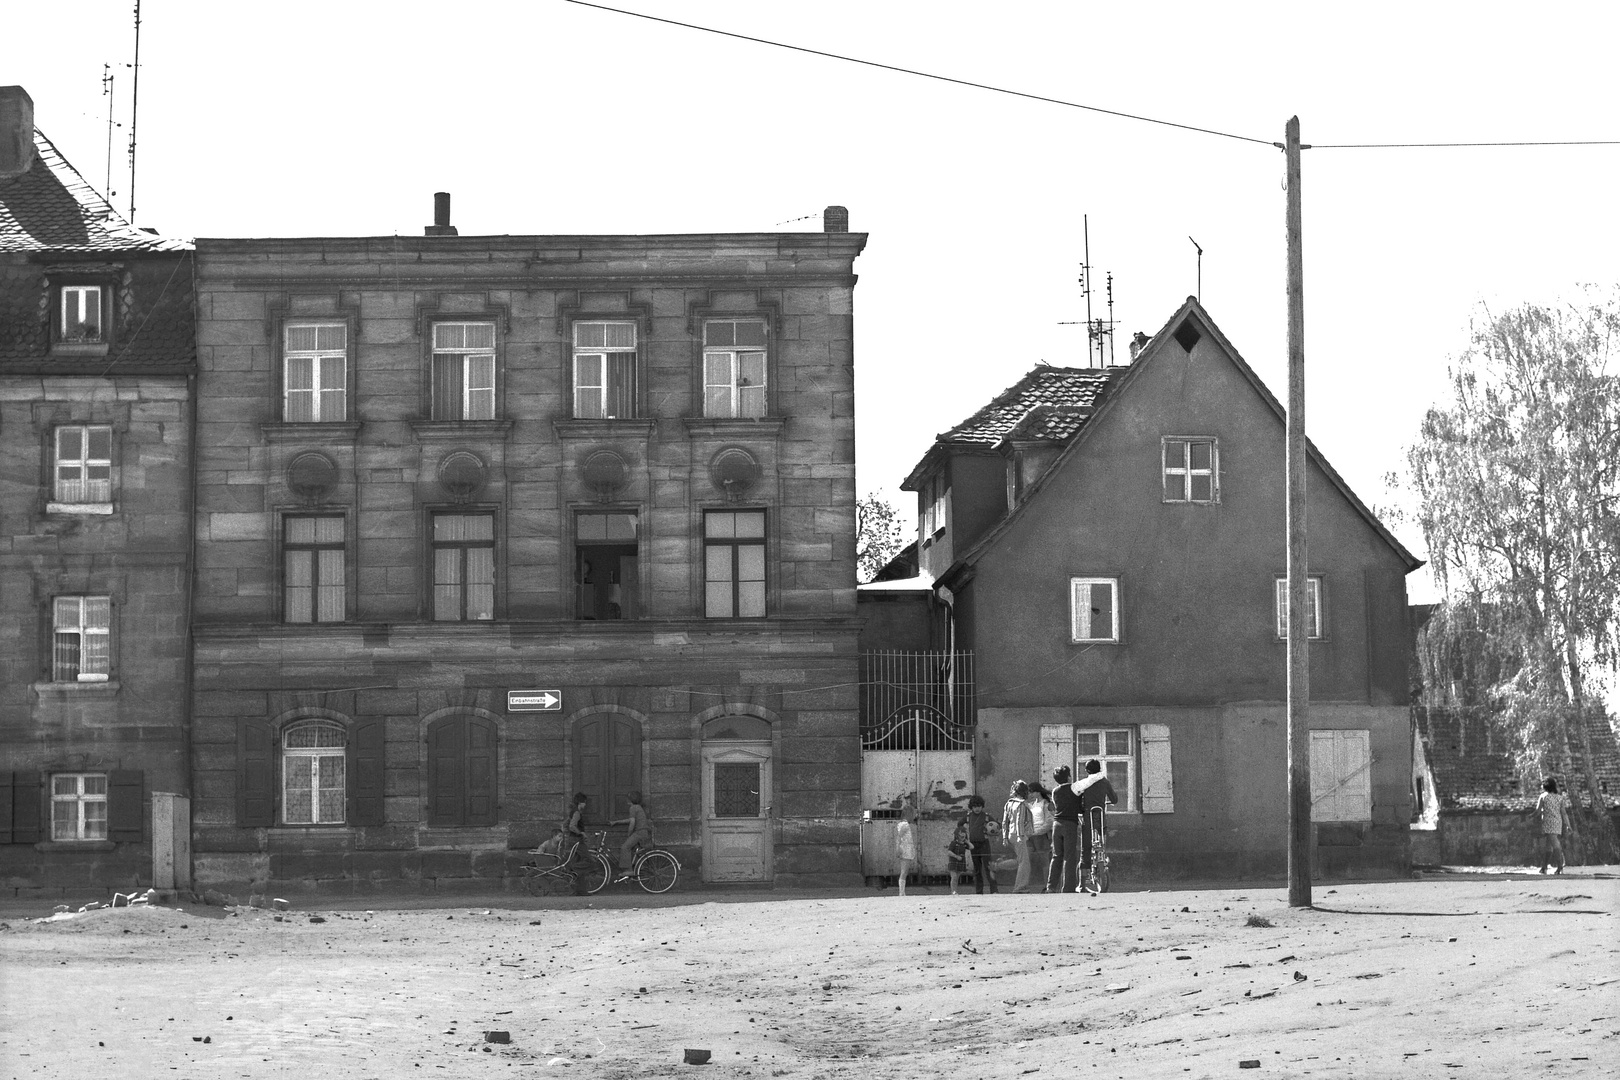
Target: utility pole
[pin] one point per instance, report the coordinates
(134, 111)
(1299, 657)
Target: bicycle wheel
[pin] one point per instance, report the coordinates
(656, 871)
(1099, 871)
(593, 877)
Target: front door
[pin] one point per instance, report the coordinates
(736, 811)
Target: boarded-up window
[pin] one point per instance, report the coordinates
(462, 761)
(1341, 775)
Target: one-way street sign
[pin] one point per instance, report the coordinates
(533, 701)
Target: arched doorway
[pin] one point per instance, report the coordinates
(607, 763)
(736, 799)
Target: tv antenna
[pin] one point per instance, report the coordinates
(134, 111)
(1200, 292)
(107, 92)
(1099, 332)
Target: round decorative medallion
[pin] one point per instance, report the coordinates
(311, 476)
(462, 475)
(605, 473)
(734, 472)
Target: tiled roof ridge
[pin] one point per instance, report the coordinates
(87, 196)
(51, 208)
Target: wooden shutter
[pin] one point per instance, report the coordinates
(1341, 775)
(126, 815)
(1158, 787)
(480, 744)
(590, 777)
(1057, 748)
(446, 786)
(26, 795)
(366, 772)
(255, 775)
(624, 752)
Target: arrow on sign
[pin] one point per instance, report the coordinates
(533, 700)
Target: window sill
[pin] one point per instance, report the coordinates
(603, 429)
(337, 431)
(78, 508)
(77, 348)
(454, 430)
(713, 425)
(76, 689)
(75, 845)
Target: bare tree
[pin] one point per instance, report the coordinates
(878, 536)
(1519, 479)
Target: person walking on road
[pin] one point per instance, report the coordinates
(1062, 875)
(1552, 813)
(1016, 823)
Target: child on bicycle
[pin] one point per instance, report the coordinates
(640, 833)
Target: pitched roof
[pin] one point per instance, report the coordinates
(1049, 402)
(50, 208)
(1111, 385)
(1474, 766)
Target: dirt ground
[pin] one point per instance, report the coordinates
(1489, 978)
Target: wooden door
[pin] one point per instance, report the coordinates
(737, 811)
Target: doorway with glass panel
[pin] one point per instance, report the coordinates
(737, 842)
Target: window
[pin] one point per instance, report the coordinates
(313, 769)
(83, 464)
(734, 564)
(313, 569)
(316, 373)
(1341, 775)
(462, 771)
(463, 567)
(82, 647)
(464, 371)
(1093, 609)
(936, 492)
(734, 368)
(1313, 607)
(1190, 472)
(82, 321)
(1115, 750)
(607, 564)
(604, 370)
(79, 806)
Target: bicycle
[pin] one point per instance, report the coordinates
(654, 869)
(1096, 821)
(580, 872)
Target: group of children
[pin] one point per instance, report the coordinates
(970, 848)
(567, 843)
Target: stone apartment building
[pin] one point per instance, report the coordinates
(96, 369)
(486, 521)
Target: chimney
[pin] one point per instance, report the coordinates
(441, 216)
(835, 219)
(16, 131)
(1139, 342)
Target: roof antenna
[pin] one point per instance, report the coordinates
(1200, 292)
(134, 111)
(107, 92)
(1099, 332)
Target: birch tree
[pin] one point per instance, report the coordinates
(877, 536)
(1518, 479)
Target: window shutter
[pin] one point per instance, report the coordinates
(25, 807)
(1324, 785)
(446, 791)
(1057, 748)
(126, 814)
(366, 772)
(1355, 775)
(5, 808)
(480, 743)
(255, 775)
(1158, 788)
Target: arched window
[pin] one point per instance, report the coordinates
(313, 773)
(462, 760)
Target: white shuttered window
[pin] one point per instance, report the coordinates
(1094, 609)
(1341, 775)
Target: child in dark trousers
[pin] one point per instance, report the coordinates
(979, 829)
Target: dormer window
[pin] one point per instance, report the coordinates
(81, 316)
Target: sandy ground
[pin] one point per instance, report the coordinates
(1473, 978)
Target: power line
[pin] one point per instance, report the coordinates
(1090, 108)
(923, 74)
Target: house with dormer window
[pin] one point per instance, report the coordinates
(1107, 545)
(97, 356)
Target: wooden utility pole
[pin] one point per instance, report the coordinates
(1299, 657)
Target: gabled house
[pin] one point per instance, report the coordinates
(97, 361)
(1109, 546)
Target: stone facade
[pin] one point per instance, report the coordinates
(96, 360)
(534, 463)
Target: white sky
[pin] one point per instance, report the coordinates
(342, 118)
